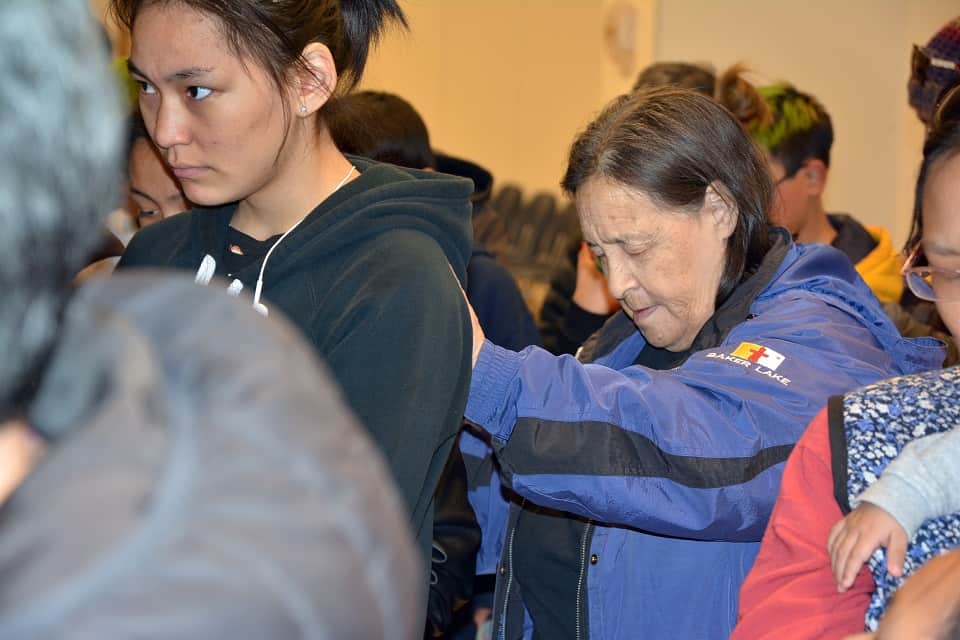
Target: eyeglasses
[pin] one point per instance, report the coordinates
(948, 106)
(921, 61)
(930, 283)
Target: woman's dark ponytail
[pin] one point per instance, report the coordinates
(364, 22)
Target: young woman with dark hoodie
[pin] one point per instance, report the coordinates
(355, 253)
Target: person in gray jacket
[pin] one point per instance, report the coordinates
(170, 477)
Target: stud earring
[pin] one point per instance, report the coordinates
(303, 109)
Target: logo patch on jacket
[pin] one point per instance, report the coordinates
(758, 354)
(757, 358)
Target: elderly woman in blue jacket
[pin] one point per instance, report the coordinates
(641, 474)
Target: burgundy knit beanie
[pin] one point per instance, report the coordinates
(945, 45)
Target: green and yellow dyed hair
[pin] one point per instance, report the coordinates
(800, 128)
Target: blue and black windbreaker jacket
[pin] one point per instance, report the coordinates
(675, 470)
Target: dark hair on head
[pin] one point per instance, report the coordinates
(800, 129)
(671, 144)
(381, 126)
(274, 33)
(742, 99)
(677, 74)
(136, 130)
(942, 142)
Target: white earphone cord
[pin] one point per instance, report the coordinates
(262, 308)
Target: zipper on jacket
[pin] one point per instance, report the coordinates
(506, 590)
(583, 574)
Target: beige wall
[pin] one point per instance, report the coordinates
(853, 55)
(508, 83)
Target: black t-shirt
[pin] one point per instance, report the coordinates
(242, 250)
(546, 567)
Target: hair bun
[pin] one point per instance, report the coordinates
(742, 99)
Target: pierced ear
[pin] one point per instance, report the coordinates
(718, 202)
(315, 84)
(814, 177)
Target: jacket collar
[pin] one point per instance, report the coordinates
(733, 311)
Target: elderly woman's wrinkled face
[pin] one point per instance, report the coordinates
(663, 266)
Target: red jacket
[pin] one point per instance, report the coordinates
(790, 592)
